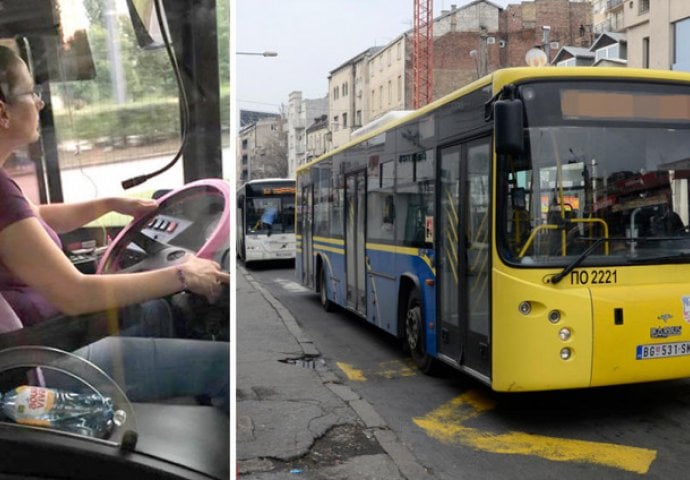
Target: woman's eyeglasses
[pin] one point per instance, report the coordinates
(37, 92)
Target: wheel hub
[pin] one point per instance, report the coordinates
(412, 325)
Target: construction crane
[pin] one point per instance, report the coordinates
(423, 52)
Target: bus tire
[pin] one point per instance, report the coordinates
(414, 335)
(323, 292)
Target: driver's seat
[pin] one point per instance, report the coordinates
(64, 332)
(9, 321)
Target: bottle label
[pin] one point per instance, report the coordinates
(33, 405)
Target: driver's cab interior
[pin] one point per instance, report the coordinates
(177, 437)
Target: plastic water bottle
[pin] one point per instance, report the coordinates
(86, 414)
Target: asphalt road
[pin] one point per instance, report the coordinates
(461, 429)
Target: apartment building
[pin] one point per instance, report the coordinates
(658, 33)
(386, 81)
(318, 138)
(262, 149)
(301, 113)
(348, 99)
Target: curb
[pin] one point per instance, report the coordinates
(403, 458)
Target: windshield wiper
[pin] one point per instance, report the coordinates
(572, 265)
(576, 262)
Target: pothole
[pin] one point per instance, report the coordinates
(305, 361)
(338, 445)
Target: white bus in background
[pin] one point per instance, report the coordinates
(266, 220)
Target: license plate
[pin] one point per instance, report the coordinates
(662, 350)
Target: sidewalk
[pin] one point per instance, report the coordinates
(294, 417)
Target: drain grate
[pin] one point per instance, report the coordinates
(305, 361)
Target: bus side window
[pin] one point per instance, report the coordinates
(415, 232)
(381, 216)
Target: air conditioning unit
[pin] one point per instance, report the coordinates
(553, 45)
(490, 40)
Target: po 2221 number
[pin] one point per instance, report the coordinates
(593, 277)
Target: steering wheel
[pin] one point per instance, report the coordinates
(193, 219)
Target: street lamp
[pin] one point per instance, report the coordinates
(262, 54)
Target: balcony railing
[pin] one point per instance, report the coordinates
(611, 4)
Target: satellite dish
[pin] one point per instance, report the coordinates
(536, 57)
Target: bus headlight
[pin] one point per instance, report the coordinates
(525, 308)
(566, 353)
(554, 316)
(565, 334)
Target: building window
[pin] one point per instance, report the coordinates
(345, 89)
(644, 7)
(344, 120)
(336, 93)
(645, 52)
(335, 123)
(681, 45)
(610, 51)
(245, 143)
(399, 87)
(358, 118)
(390, 92)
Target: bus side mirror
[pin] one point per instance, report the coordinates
(508, 127)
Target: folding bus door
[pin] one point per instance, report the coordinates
(464, 254)
(355, 207)
(306, 200)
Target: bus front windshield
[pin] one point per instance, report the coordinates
(604, 177)
(274, 214)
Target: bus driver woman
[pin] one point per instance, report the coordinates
(39, 281)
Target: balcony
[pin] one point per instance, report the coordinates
(614, 4)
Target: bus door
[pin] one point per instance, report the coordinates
(463, 251)
(355, 207)
(306, 206)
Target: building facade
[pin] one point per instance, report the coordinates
(386, 82)
(262, 149)
(318, 138)
(301, 113)
(658, 34)
(348, 99)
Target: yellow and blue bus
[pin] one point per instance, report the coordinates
(529, 229)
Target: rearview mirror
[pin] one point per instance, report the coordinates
(508, 126)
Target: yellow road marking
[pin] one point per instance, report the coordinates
(395, 369)
(445, 424)
(352, 373)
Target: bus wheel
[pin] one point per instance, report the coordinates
(414, 334)
(323, 285)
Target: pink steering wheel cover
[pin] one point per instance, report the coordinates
(213, 244)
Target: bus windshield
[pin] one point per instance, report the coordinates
(605, 163)
(274, 214)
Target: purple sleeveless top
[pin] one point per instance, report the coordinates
(30, 306)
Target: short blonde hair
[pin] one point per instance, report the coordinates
(8, 73)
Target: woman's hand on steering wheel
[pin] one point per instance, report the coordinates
(134, 207)
(204, 277)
